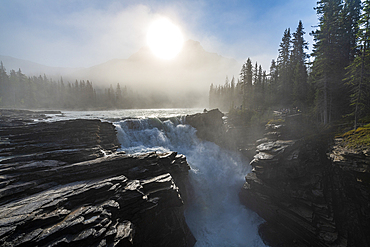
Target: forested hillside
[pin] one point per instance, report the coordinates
(332, 84)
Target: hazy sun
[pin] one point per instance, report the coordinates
(164, 38)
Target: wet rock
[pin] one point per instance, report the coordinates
(89, 204)
(11, 117)
(69, 141)
(115, 209)
(64, 184)
(209, 125)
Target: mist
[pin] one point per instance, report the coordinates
(141, 81)
(183, 80)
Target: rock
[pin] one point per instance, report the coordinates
(215, 127)
(69, 141)
(64, 184)
(306, 198)
(209, 125)
(89, 211)
(350, 187)
(10, 117)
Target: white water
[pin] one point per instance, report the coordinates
(214, 215)
(116, 115)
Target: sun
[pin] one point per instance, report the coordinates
(164, 38)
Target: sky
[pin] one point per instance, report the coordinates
(84, 33)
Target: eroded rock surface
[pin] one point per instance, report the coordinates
(64, 184)
(306, 198)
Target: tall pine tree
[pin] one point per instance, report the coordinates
(246, 76)
(358, 73)
(298, 66)
(327, 66)
(283, 63)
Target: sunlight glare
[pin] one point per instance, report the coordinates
(164, 39)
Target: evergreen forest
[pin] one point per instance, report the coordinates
(31, 92)
(331, 83)
(20, 91)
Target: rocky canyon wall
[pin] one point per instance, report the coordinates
(310, 191)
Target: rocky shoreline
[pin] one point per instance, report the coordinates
(65, 184)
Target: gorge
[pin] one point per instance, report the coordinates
(70, 182)
(163, 181)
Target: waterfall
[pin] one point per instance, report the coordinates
(214, 214)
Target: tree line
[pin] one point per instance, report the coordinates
(40, 92)
(335, 84)
(283, 86)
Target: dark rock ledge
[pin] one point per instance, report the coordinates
(211, 126)
(64, 184)
(306, 198)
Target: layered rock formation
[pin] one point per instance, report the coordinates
(69, 141)
(306, 198)
(209, 125)
(20, 117)
(64, 184)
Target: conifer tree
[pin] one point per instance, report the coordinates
(327, 66)
(350, 18)
(298, 66)
(211, 96)
(4, 85)
(264, 84)
(232, 92)
(246, 76)
(118, 96)
(283, 63)
(258, 87)
(272, 89)
(358, 73)
(255, 74)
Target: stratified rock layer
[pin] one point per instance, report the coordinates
(11, 117)
(306, 198)
(64, 184)
(210, 126)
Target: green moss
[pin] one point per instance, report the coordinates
(359, 137)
